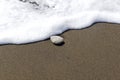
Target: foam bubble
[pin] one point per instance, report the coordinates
(25, 21)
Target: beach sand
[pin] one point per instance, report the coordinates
(88, 54)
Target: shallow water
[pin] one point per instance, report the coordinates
(35, 20)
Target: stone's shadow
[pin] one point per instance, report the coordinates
(61, 44)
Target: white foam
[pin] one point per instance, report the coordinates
(36, 20)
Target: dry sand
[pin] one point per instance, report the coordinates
(88, 54)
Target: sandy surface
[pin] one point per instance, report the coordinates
(88, 54)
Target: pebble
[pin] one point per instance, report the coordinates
(57, 40)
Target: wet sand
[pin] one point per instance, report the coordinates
(88, 54)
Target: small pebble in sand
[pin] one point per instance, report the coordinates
(57, 40)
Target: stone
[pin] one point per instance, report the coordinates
(57, 40)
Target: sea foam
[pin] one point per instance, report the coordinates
(25, 21)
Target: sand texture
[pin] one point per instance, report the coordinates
(88, 54)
